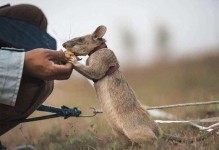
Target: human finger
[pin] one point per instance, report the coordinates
(62, 70)
(62, 77)
(57, 55)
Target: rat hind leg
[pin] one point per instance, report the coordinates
(123, 140)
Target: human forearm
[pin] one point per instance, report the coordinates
(11, 68)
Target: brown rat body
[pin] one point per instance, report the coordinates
(127, 116)
(124, 112)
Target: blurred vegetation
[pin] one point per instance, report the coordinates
(162, 83)
(162, 41)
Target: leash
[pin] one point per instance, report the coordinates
(63, 111)
(67, 112)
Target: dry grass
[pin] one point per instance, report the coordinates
(162, 83)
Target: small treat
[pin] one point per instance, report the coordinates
(69, 52)
(72, 55)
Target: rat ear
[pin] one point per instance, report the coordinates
(99, 32)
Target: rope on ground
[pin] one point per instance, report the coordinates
(207, 120)
(183, 105)
(191, 122)
(177, 105)
(210, 128)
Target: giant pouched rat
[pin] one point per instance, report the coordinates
(127, 116)
(124, 112)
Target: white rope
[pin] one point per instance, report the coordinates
(179, 105)
(211, 127)
(183, 105)
(207, 120)
(171, 121)
(193, 123)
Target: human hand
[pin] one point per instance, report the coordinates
(45, 64)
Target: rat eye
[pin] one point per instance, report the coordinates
(80, 40)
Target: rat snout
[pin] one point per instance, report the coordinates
(66, 45)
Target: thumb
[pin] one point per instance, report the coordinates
(57, 55)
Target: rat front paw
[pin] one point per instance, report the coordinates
(73, 59)
(70, 56)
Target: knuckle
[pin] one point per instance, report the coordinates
(46, 52)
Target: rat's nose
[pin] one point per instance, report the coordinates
(64, 45)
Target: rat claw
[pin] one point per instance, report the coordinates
(78, 58)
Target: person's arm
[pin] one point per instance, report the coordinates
(11, 68)
(39, 63)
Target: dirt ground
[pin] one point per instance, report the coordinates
(182, 81)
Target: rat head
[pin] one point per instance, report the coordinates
(83, 45)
